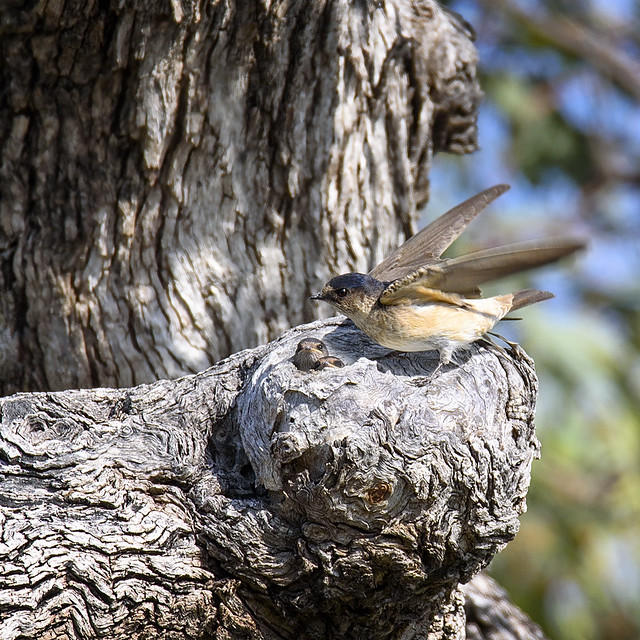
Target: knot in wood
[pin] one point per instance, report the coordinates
(382, 441)
(379, 492)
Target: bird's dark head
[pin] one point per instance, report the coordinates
(353, 294)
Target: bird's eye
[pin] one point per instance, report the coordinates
(342, 292)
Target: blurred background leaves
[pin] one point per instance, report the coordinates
(561, 124)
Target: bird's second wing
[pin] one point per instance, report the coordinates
(465, 273)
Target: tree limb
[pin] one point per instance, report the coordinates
(261, 501)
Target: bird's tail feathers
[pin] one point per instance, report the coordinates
(526, 297)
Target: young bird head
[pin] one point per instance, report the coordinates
(329, 362)
(308, 353)
(353, 294)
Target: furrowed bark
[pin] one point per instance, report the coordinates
(177, 177)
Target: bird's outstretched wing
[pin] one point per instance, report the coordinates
(464, 274)
(429, 244)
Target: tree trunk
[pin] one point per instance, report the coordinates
(177, 177)
(255, 500)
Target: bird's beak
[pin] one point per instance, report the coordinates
(317, 296)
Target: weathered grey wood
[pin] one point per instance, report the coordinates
(256, 500)
(492, 616)
(176, 177)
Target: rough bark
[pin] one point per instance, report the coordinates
(492, 616)
(254, 500)
(176, 177)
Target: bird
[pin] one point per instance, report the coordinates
(414, 300)
(329, 362)
(308, 354)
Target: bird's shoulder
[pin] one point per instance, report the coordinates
(420, 287)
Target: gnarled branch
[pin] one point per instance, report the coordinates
(258, 500)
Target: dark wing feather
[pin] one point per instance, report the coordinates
(429, 244)
(465, 273)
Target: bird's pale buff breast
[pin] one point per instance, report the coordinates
(432, 326)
